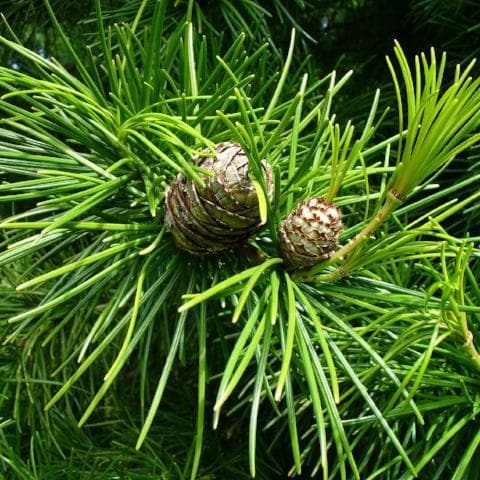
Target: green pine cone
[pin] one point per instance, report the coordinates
(310, 233)
(223, 214)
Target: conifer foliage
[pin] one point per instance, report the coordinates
(204, 274)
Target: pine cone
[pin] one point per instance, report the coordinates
(225, 212)
(310, 233)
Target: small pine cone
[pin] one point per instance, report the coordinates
(310, 233)
(225, 212)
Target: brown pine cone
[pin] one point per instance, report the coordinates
(224, 213)
(310, 233)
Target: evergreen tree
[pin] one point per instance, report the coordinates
(208, 272)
